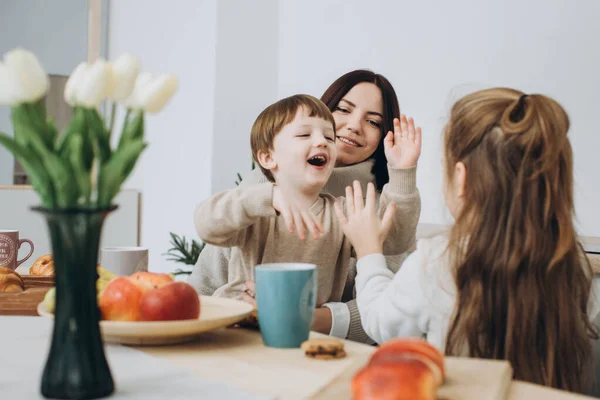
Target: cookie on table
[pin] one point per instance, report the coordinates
(324, 349)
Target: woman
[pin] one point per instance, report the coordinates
(364, 106)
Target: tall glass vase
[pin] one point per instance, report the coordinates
(76, 367)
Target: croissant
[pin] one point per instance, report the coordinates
(401, 369)
(10, 281)
(410, 379)
(43, 266)
(398, 350)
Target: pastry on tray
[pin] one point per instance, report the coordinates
(10, 281)
(43, 266)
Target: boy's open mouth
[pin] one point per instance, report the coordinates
(319, 161)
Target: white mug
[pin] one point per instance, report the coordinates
(124, 260)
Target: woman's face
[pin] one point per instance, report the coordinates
(358, 118)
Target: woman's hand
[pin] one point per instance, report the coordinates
(295, 218)
(361, 224)
(403, 146)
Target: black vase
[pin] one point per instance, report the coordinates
(76, 367)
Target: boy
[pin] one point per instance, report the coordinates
(293, 142)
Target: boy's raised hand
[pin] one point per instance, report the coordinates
(403, 146)
(296, 218)
(361, 224)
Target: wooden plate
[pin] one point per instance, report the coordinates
(215, 313)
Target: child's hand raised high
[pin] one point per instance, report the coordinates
(362, 224)
(403, 146)
(296, 218)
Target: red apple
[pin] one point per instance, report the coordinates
(174, 301)
(153, 278)
(120, 299)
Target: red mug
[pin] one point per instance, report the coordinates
(9, 249)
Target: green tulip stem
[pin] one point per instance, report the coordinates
(127, 114)
(113, 114)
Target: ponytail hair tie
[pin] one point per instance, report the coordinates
(518, 112)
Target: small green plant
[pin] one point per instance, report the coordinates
(238, 180)
(239, 177)
(183, 252)
(188, 253)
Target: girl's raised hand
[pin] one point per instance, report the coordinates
(361, 224)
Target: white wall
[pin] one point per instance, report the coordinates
(435, 51)
(55, 31)
(174, 172)
(245, 82)
(233, 57)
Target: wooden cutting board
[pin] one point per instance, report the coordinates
(466, 379)
(26, 302)
(476, 379)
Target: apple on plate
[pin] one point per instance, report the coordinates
(120, 299)
(173, 301)
(153, 278)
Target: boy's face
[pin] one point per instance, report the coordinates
(303, 154)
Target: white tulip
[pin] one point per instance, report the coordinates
(156, 93)
(134, 101)
(29, 81)
(94, 85)
(125, 70)
(6, 86)
(73, 84)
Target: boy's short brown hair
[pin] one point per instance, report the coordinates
(273, 118)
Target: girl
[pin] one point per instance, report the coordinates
(364, 106)
(510, 281)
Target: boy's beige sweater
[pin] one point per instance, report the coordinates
(244, 219)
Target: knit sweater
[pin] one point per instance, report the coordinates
(211, 270)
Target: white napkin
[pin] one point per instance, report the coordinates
(136, 374)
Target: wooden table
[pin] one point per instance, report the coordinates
(238, 356)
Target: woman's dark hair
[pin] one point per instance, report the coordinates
(391, 110)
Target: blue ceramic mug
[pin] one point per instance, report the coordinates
(285, 299)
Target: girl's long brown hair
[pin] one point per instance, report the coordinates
(523, 280)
